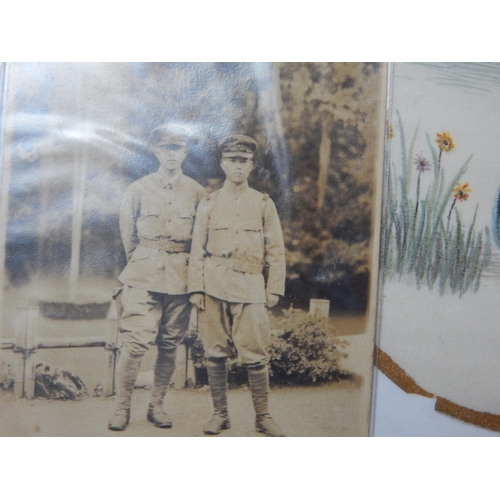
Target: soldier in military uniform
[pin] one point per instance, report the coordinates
(237, 235)
(156, 223)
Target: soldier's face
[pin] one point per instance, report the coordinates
(170, 156)
(237, 168)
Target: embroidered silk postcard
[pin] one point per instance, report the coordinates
(191, 249)
(440, 241)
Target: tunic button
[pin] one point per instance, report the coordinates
(236, 231)
(169, 220)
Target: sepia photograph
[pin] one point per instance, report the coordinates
(189, 249)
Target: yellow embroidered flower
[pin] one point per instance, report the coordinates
(461, 191)
(445, 142)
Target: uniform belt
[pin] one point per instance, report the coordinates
(237, 265)
(167, 246)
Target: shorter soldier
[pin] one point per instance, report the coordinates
(237, 234)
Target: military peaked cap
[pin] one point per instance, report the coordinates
(238, 145)
(166, 134)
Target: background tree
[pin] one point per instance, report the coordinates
(329, 116)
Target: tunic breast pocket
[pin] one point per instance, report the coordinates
(150, 224)
(184, 224)
(254, 240)
(219, 241)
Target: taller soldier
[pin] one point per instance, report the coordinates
(237, 236)
(156, 224)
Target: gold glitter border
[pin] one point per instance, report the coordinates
(481, 418)
(395, 373)
(392, 370)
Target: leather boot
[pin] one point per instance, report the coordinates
(164, 369)
(127, 370)
(217, 378)
(258, 380)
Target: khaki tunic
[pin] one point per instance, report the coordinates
(156, 224)
(236, 231)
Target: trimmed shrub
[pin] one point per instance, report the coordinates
(301, 352)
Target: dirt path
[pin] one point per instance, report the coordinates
(328, 410)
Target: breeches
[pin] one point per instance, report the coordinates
(228, 329)
(151, 317)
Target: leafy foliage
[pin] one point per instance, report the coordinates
(301, 352)
(328, 101)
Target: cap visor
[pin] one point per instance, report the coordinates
(242, 155)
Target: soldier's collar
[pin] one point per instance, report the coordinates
(167, 181)
(236, 189)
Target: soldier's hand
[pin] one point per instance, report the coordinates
(198, 300)
(271, 299)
